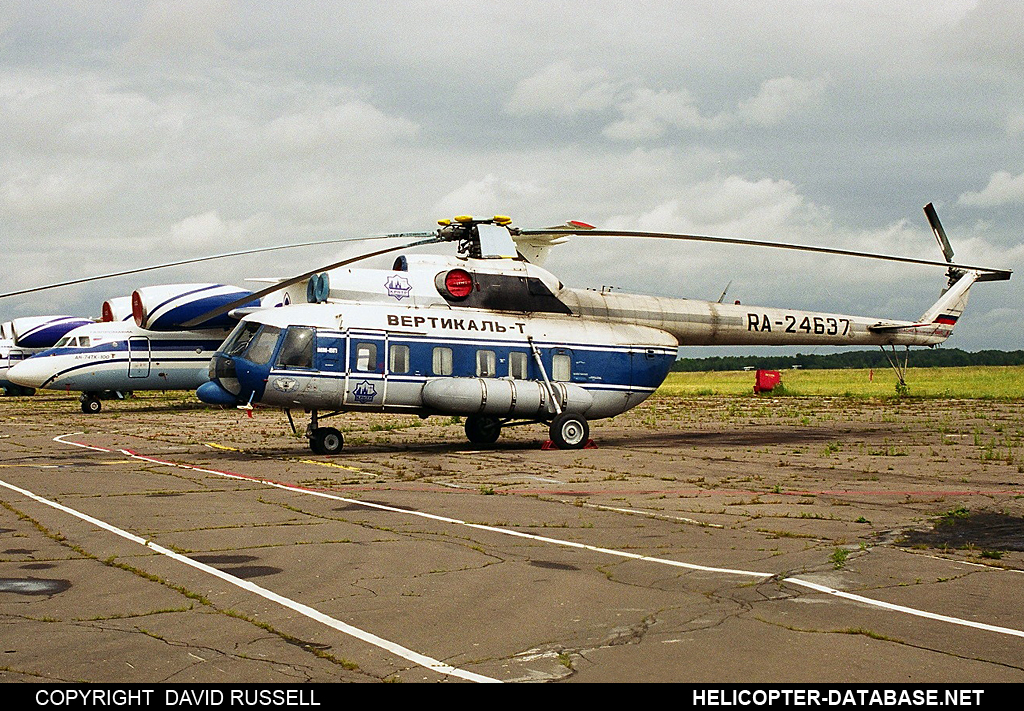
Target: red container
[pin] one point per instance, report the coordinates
(766, 380)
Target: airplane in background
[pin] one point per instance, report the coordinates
(138, 345)
(23, 337)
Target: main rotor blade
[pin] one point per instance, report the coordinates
(294, 280)
(995, 274)
(194, 260)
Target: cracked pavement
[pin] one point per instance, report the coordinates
(514, 563)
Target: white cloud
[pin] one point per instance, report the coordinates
(779, 98)
(1002, 189)
(184, 30)
(36, 194)
(561, 90)
(648, 114)
(485, 197)
(353, 124)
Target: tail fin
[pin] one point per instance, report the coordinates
(936, 324)
(944, 313)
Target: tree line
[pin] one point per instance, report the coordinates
(919, 358)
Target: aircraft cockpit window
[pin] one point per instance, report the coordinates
(63, 342)
(517, 364)
(486, 364)
(239, 339)
(366, 357)
(561, 368)
(261, 348)
(83, 341)
(297, 350)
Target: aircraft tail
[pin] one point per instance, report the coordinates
(935, 324)
(945, 312)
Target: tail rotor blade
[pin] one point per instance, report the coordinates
(940, 234)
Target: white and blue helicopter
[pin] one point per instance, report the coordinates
(137, 345)
(24, 337)
(490, 335)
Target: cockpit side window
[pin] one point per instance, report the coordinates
(297, 349)
(261, 348)
(83, 341)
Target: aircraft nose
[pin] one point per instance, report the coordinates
(31, 372)
(212, 393)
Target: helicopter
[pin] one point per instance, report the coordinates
(490, 335)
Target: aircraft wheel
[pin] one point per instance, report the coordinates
(569, 431)
(91, 405)
(326, 440)
(481, 429)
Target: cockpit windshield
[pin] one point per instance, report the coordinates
(238, 340)
(72, 342)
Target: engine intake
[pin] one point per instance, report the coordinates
(166, 308)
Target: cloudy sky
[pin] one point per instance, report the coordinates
(139, 132)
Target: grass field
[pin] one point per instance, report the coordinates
(995, 382)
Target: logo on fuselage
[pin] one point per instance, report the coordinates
(285, 385)
(398, 287)
(364, 392)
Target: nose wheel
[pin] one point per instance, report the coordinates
(91, 404)
(326, 440)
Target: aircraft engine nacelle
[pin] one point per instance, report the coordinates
(119, 309)
(43, 331)
(166, 308)
(502, 397)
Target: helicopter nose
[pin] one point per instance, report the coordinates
(31, 372)
(213, 394)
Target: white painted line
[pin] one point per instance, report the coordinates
(369, 637)
(654, 514)
(572, 544)
(904, 609)
(447, 519)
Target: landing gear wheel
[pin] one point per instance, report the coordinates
(91, 405)
(569, 431)
(326, 440)
(481, 429)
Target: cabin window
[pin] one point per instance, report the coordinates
(486, 364)
(517, 364)
(261, 348)
(366, 356)
(442, 361)
(297, 349)
(399, 359)
(561, 367)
